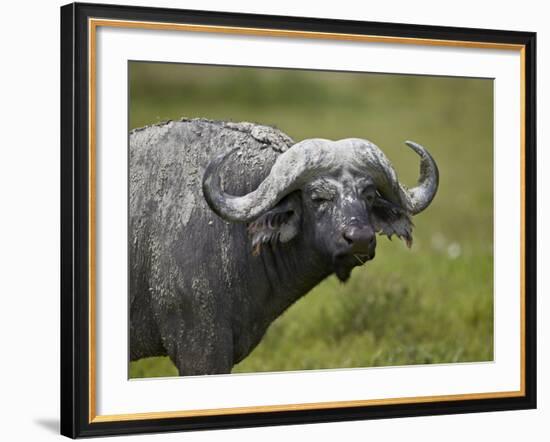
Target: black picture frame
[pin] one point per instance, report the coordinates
(75, 220)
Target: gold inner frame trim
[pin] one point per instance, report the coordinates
(93, 24)
(306, 406)
(298, 34)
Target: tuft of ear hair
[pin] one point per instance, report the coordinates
(390, 219)
(280, 224)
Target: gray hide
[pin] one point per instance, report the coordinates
(196, 292)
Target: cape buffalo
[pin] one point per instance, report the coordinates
(231, 223)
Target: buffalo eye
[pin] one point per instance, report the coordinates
(369, 195)
(320, 197)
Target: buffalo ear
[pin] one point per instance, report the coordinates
(279, 224)
(390, 219)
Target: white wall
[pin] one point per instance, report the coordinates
(29, 220)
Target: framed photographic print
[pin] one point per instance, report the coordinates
(230, 188)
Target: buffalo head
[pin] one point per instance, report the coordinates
(339, 194)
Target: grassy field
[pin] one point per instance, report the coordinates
(432, 303)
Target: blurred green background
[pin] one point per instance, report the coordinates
(430, 304)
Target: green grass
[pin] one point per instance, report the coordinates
(430, 304)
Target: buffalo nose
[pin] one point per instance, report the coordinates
(360, 239)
